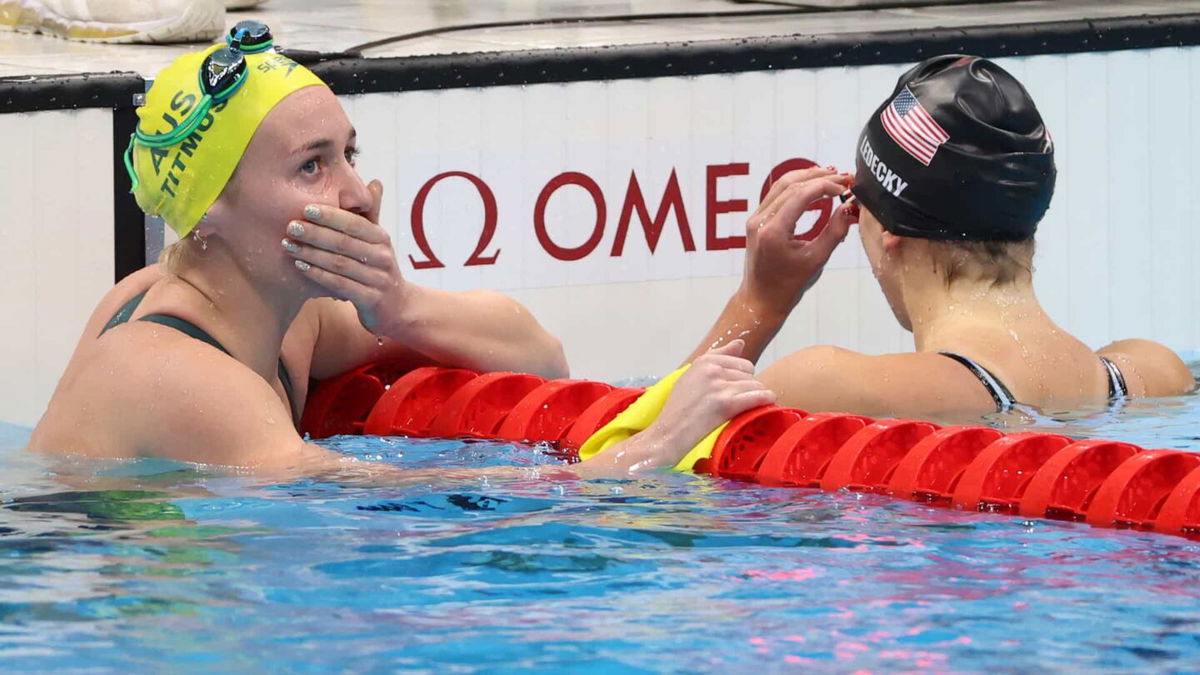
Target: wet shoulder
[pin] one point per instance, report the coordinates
(152, 390)
(834, 379)
(116, 297)
(1150, 368)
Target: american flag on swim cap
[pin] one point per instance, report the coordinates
(912, 127)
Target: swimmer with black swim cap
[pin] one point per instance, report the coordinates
(954, 171)
(249, 157)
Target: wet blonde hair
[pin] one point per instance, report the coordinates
(170, 256)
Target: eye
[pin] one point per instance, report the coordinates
(310, 167)
(352, 155)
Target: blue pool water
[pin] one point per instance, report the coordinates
(156, 566)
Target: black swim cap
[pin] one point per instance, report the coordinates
(957, 152)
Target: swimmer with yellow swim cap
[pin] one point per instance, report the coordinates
(955, 170)
(207, 356)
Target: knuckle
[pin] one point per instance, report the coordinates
(332, 280)
(796, 175)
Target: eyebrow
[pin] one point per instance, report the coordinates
(324, 143)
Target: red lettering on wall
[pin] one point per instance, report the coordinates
(672, 199)
(485, 236)
(539, 216)
(714, 208)
(825, 206)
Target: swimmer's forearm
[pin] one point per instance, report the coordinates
(328, 465)
(480, 330)
(745, 317)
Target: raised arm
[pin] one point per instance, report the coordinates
(779, 267)
(352, 257)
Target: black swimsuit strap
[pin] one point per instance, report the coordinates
(1117, 389)
(192, 330)
(999, 393)
(186, 327)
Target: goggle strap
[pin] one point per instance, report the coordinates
(129, 168)
(258, 49)
(185, 129)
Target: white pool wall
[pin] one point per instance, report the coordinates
(1115, 252)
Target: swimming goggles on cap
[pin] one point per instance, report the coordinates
(221, 76)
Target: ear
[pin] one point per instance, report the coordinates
(214, 218)
(891, 242)
(203, 229)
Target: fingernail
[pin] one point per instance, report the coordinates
(312, 212)
(303, 266)
(295, 229)
(290, 246)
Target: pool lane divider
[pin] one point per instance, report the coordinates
(1030, 474)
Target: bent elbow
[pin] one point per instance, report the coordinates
(539, 351)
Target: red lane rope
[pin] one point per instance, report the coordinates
(1032, 474)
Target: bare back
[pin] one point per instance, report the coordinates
(1049, 369)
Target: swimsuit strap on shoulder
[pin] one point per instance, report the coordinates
(1117, 389)
(192, 330)
(999, 393)
(186, 327)
(124, 313)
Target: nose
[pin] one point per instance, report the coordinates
(353, 194)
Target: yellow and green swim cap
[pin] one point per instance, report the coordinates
(180, 181)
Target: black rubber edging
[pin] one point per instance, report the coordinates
(129, 224)
(353, 75)
(65, 92)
